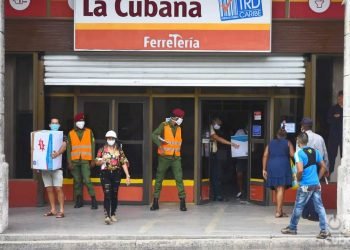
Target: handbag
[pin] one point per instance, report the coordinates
(295, 184)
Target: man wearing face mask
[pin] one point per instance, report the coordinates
(169, 139)
(218, 157)
(53, 179)
(80, 150)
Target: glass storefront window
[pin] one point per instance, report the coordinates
(62, 109)
(130, 121)
(97, 118)
(19, 114)
(291, 111)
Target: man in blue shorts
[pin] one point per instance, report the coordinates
(306, 160)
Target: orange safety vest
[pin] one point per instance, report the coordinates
(173, 145)
(81, 149)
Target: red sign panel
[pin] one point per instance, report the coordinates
(325, 9)
(21, 8)
(278, 9)
(61, 8)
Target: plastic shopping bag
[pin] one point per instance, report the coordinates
(295, 183)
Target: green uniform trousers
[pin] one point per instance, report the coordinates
(81, 174)
(163, 165)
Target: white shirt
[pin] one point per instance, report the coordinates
(316, 141)
(214, 144)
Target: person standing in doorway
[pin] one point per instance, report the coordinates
(315, 141)
(306, 160)
(218, 157)
(53, 179)
(335, 137)
(241, 167)
(80, 151)
(277, 169)
(112, 160)
(168, 138)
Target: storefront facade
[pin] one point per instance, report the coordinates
(133, 91)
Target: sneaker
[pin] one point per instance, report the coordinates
(114, 218)
(238, 195)
(323, 235)
(108, 220)
(288, 230)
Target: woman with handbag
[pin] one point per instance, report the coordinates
(277, 169)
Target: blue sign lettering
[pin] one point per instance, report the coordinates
(240, 9)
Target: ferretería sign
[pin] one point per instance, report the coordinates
(187, 25)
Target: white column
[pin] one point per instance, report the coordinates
(343, 199)
(3, 165)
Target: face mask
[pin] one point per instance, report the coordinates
(216, 126)
(179, 121)
(80, 124)
(54, 127)
(110, 142)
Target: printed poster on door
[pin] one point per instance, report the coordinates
(173, 25)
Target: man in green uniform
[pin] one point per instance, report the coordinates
(80, 155)
(168, 139)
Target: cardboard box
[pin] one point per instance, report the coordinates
(242, 141)
(43, 144)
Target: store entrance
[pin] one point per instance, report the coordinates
(228, 174)
(126, 116)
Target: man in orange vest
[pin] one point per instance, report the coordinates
(80, 155)
(168, 139)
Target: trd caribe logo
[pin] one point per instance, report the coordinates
(240, 9)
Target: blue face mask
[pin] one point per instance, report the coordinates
(54, 127)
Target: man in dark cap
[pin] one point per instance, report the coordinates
(335, 137)
(80, 155)
(169, 139)
(315, 141)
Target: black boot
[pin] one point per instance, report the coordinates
(78, 201)
(183, 204)
(155, 205)
(93, 203)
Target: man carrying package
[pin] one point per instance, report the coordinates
(80, 151)
(53, 179)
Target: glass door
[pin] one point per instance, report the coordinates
(257, 137)
(132, 127)
(237, 180)
(127, 117)
(203, 177)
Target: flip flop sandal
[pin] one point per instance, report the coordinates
(60, 215)
(278, 215)
(49, 214)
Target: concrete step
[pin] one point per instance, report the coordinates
(24, 242)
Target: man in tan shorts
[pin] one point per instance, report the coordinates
(53, 179)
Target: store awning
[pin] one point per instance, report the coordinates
(186, 70)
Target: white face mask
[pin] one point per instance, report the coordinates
(110, 142)
(80, 124)
(179, 121)
(216, 126)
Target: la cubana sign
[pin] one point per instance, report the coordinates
(173, 25)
